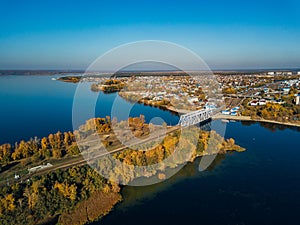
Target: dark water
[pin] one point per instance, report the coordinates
(37, 106)
(259, 186)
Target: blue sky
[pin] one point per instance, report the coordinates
(226, 34)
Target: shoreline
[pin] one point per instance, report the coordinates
(217, 116)
(248, 118)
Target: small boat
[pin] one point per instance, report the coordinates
(225, 121)
(53, 78)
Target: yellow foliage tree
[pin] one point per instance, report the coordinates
(68, 191)
(8, 202)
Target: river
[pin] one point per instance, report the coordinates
(37, 106)
(258, 186)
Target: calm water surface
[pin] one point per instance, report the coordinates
(37, 106)
(259, 186)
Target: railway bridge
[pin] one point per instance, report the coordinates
(196, 117)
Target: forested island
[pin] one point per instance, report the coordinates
(78, 194)
(108, 86)
(70, 79)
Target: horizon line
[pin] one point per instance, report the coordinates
(156, 70)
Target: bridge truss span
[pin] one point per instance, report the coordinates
(195, 117)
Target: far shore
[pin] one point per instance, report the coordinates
(215, 117)
(228, 117)
(248, 118)
(221, 116)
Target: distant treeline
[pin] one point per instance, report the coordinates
(137, 73)
(39, 72)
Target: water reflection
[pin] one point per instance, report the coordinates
(258, 186)
(271, 126)
(134, 196)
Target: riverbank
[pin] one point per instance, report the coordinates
(95, 207)
(248, 118)
(178, 111)
(215, 117)
(162, 104)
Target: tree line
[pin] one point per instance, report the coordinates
(55, 145)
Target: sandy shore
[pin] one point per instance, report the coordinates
(179, 111)
(248, 118)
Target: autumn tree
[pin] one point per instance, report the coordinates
(5, 153)
(68, 191)
(8, 202)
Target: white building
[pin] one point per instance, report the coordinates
(225, 112)
(254, 103)
(262, 102)
(298, 99)
(34, 169)
(286, 90)
(271, 73)
(193, 100)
